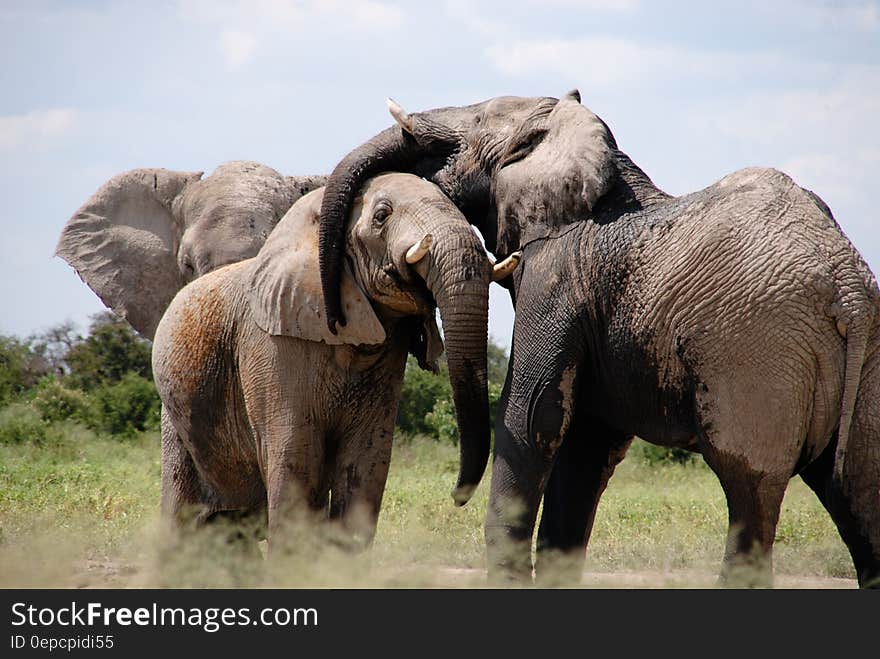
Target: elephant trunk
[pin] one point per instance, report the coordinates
(459, 280)
(392, 149)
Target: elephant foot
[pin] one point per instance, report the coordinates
(870, 578)
(505, 577)
(510, 560)
(559, 569)
(747, 571)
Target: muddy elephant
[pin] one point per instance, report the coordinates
(263, 407)
(145, 233)
(737, 321)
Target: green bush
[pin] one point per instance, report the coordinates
(20, 368)
(125, 407)
(441, 419)
(496, 361)
(654, 455)
(421, 391)
(20, 423)
(111, 350)
(56, 402)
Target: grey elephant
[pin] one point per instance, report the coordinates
(737, 321)
(265, 409)
(145, 233)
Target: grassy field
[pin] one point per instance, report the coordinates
(81, 510)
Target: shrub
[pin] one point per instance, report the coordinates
(20, 368)
(441, 419)
(111, 350)
(496, 361)
(655, 455)
(421, 391)
(20, 423)
(125, 407)
(56, 402)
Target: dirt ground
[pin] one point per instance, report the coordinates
(117, 575)
(687, 579)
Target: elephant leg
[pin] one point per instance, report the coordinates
(294, 485)
(184, 496)
(753, 505)
(859, 491)
(187, 503)
(358, 484)
(584, 463)
(754, 456)
(854, 502)
(532, 420)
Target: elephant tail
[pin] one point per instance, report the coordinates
(856, 329)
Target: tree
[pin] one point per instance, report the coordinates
(426, 405)
(54, 345)
(421, 389)
(125, 407)
(111, 350)
(497, 362)
(20, 368)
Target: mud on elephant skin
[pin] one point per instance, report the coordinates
(265, 409)
(145, 233)
(737, 321)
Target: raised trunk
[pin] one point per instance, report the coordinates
(434, 136)
(459, 280)
(392, 149)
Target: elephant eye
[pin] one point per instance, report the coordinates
(381, 212)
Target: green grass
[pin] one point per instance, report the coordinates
(82, 510)
(668, 518)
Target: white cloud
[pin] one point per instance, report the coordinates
(841, 112)
(607, 61)
(463, 11)
(40, 125)
(245, 24)
(824, 136)
(491, 19)
(812, 118)
(861, 16)
(238, 47)
(838, 178)
(825, 14)
(293, 14)
(845, 180)
(366, 14)
(611, 6)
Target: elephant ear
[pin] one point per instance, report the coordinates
(285, 285)
(561, 176)
(427, 344)
(123, 242)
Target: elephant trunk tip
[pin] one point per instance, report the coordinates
(463, 493)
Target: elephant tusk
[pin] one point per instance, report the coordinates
(508, 265)
(417, 252)
(400, 116)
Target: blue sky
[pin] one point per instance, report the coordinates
(691, 90)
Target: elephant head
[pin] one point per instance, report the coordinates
(407, 249)
(145, 233)
(515, 166)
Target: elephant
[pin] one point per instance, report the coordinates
(145, 233)
(737, 321)
(265, 411)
